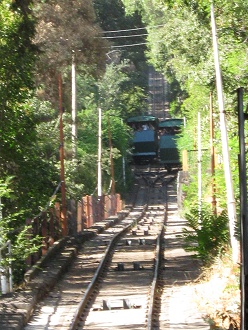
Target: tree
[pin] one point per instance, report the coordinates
(17, 55)
(65, 28)
(18, 153)
(20, 240)
(107, 93)
(180, 46)
(126, 35)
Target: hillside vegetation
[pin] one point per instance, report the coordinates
(110, 44)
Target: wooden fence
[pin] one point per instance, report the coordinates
(80, 215)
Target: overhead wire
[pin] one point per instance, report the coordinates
(134, 29)
(126, 36)
(132, 45)
(129, 45)
(129, 36)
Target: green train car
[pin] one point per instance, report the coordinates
(145, 138)
(168, 134)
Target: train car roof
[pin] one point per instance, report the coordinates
(142, 119)
(171, 122)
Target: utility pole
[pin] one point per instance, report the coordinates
(3, 277)
(73, 107)
(111, 160)
(212, 153)
(199, 167)
(62, 169)
(231, 207)
(99, 160)
(243, 212)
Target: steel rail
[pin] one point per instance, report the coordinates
(155, 280)
(83, 304)
(91, 287)
(154, 285)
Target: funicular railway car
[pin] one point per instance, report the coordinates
(168, 134)
(145, 138)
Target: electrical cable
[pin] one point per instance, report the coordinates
(135, 29)
(129, 45)
(126, 36)
(132, 45)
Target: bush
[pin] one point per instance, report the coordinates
(207, 234)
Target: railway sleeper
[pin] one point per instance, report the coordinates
(136, 266)
(123, 303)
(129, 242)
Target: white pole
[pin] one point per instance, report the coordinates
(73, 108)
(4, 282)
(10, 269)
(225, 150)
(99, 161)
(199, 167)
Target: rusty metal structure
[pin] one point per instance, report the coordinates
(80, 216)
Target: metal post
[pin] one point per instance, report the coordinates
(199, 167)
(6, 282)
(99, 161)
(231, 206)
(111, 160)
(10, 268)
(243, 213)
(62, 170)
(212, 154)
(3, 277)
(73, 107)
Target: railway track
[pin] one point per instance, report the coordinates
(113, 273)
(118, 277)
(122, 291)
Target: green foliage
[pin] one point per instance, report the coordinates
(115, 96)
(180, 45)
(19, 157)
(16, 65)
(112, 17)
(20, 239)
(129, 47)
(120, 89)
(206, 234)
(27, 245)
(111, 93)
(36, 42)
